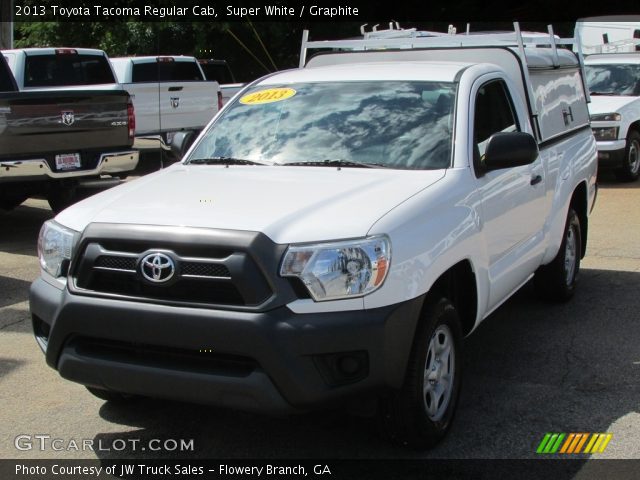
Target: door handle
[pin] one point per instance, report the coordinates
(536, 179)
(175, 89)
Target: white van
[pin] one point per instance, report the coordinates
(609, 34)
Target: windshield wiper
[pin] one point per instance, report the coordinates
(610, 94)
(334, 163)
(222, 161)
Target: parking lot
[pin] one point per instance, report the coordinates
(531, 368)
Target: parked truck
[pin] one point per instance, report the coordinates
(172, 98)
(333, 234)
(613, 76)
(52, 141)
(219, 71)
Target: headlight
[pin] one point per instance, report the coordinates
(605, 117)
(55, 245)
(337, 270)
(605, 133)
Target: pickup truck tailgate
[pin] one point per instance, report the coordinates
(63, 122)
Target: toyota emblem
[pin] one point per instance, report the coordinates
(157, 267)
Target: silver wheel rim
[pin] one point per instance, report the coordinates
(439, 373)
(570, 255)
(633, 159)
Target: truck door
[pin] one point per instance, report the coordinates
(512, 199)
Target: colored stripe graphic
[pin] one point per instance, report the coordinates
(572, 443)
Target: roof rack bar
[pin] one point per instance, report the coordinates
(554, 48)
(525, 72)
(303, 47)
(407, 39)
(578, 49)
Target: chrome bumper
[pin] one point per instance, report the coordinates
(38, 168)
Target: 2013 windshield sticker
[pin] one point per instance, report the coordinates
(267, 96)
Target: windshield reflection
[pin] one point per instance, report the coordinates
(620, 79)
(404, 125)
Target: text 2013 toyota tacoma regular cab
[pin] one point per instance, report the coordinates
(333, 234)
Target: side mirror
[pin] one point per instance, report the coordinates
(509, 149)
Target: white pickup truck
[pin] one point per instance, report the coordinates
(172, 98)
(332, 235)
(614, 83)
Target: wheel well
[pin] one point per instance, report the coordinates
(634, 126)
(579, 204)
(458, 284)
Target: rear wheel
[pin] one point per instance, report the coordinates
(61, 197)
(557, 280)
(630, 169)
(11, 202)
(420, 414)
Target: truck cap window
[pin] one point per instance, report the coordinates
(61, 70)
(614, 79)
(393, 124)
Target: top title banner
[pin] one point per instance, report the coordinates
(198, 12)
(308, 11)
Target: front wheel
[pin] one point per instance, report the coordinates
(420, 414)
(557, 280)
(630, 169)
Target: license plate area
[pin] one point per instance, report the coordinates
(67, 161)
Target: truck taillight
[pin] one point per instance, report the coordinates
(131, 119)
(219, 99)
(66, 51)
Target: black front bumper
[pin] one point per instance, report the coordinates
(610, 159)
(274, 361)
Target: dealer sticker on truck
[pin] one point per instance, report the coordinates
(268, 96)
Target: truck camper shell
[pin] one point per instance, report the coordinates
(550, 79)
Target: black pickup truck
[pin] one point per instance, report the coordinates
(53, 141)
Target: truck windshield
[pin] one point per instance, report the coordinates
(65, 70)
(392, 124)
(615, 79)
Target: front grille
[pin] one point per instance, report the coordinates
(202, 269)
(200, 278)
(198, 361)
(113, 262)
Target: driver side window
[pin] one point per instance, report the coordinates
(493, 113)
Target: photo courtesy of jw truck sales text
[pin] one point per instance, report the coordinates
(227, 292)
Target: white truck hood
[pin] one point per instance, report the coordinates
(288, 204)
(608, 104)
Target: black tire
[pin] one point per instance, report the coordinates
(62, 197)
(557, 280)
(410, 416)
(110, 395)
(11, 202)
(629, 171)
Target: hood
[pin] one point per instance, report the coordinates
(288, 204)
(609, 104)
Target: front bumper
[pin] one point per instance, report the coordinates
(274, 361)
(39, 169)
(611, 154)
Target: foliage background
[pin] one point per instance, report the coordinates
(281, 40)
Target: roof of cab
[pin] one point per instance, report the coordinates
(379, 71)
